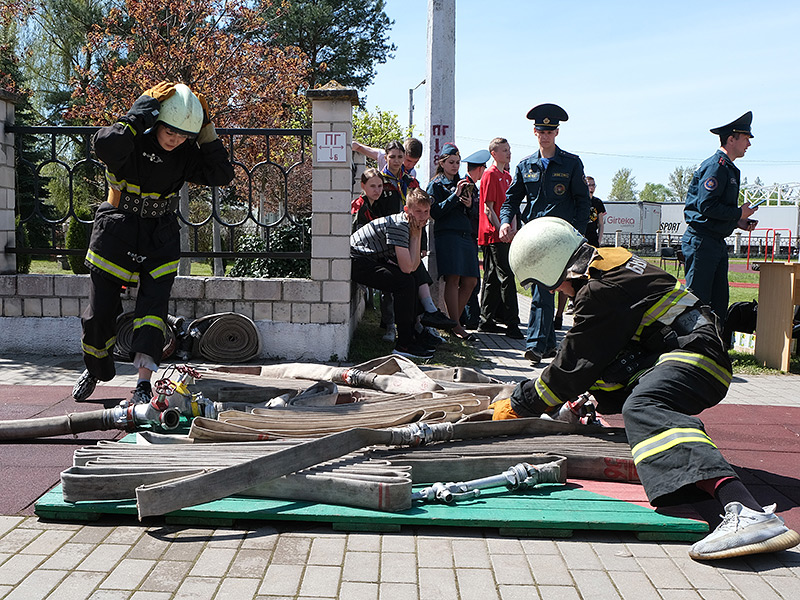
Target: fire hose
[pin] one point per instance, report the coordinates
(520, 476)
(164, 497)
(164, 411)
(225, 337)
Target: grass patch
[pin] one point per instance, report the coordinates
(53, 267)
(367, 344)
(746, 364)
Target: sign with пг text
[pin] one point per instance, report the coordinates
(331, 146)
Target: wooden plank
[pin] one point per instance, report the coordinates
(550, 510)
(775, 309)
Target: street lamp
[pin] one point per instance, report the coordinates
(411, 105)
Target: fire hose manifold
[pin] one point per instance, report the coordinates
(171, 400)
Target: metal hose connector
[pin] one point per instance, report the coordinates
(419, 434)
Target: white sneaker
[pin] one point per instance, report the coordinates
(435, 333)
(391, 333)
(745, 531)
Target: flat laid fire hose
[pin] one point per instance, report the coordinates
(113, 471)
(207, 486)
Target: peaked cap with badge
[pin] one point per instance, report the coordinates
(740, 125)
(547, 116)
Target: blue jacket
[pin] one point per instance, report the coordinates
(712, 202)
(448, 212)
(558, 191)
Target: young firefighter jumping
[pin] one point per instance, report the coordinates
(646, 347)
(164, 140)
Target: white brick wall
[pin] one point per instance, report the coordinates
(297, 318)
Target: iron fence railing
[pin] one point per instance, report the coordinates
(58, 177)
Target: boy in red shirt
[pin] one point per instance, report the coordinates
(499, 290)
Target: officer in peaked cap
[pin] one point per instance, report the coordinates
(547, 116)
(549, 182)
(740, 125)
(712, 212)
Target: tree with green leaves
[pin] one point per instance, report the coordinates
(623, 187)
(32, 232)
(342, 39)
(378, 128)
(54, 51)
(679, 181)
(655, 192)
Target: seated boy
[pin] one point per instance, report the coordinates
(386, 256)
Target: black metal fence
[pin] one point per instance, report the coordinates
(60, 182)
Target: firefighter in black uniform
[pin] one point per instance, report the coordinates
(164, 140)
(645, 346)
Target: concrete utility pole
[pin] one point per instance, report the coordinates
(440, 116)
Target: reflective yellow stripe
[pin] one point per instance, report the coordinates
(718, 372)
(546, 394)
(150, 321)
(165, 269)
(122, 184)
(605, 386)
(111, 268)
(668, 439)
(98, 352)
(674, 302)
(129, 126)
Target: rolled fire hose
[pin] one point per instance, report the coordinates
(226, 337)
(124, 343)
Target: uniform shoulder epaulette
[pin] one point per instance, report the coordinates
(722, 160)
(567, 154)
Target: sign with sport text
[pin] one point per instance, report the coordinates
(331, 146)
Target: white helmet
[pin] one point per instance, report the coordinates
(182, 111)
(542, 250)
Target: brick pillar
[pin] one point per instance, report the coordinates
(8, 262)
(332, 193)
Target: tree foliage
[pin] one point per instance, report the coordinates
(679, 181)
(378, 128)
(208, 45)
(342, 39)
(54, 50)
(31, 232)
(623, 187)
(655, 192)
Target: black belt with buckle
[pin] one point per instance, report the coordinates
(149, 209)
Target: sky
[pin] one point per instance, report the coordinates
(642, 82)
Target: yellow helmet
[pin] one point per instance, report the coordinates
(542, 250)
(182, 111)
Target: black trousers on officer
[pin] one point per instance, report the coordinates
(659, 418)
(498, 290)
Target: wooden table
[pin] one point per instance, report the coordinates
(778, 293)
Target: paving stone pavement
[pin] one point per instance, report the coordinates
(119, 559)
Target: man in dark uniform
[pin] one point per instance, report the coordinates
(646, 347)
(552, 182)
(712, 212)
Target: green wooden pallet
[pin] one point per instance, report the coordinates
(550, 510)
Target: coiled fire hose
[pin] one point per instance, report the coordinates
(226, 337)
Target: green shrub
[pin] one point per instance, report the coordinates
(284, 238)
(23, 260)
(78, 238)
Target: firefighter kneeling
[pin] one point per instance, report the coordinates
(645, 346)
